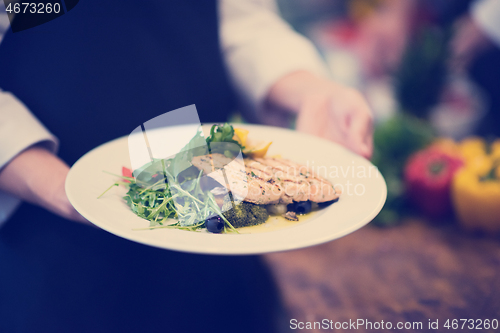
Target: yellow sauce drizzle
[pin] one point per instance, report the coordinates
(275, 222)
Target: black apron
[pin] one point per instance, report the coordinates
(90, 76)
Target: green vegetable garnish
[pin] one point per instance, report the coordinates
(222, 133)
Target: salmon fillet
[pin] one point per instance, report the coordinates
(245, 183)
(266, 180)
(300, 182)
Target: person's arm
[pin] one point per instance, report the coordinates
(29, 169)
(326, 109)
(279, 71)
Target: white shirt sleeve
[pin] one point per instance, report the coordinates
(486, 13)
(260, 48)
(19, 129)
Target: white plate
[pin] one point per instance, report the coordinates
(364, 195)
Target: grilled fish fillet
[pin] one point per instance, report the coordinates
(245, 184)
(266, 180)
(300, 182)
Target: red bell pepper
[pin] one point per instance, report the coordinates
(428, 175)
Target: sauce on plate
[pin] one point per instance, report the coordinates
(275, 222)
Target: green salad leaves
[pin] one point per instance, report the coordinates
(168, 192)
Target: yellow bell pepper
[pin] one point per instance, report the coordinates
(476, 187)
(252, 149)
(257, 149)
(495, 149)
(241, 135)
(472, 147)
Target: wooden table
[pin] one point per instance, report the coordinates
(409, 273)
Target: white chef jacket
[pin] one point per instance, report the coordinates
(258, 46)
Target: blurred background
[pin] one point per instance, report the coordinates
(430, 71)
